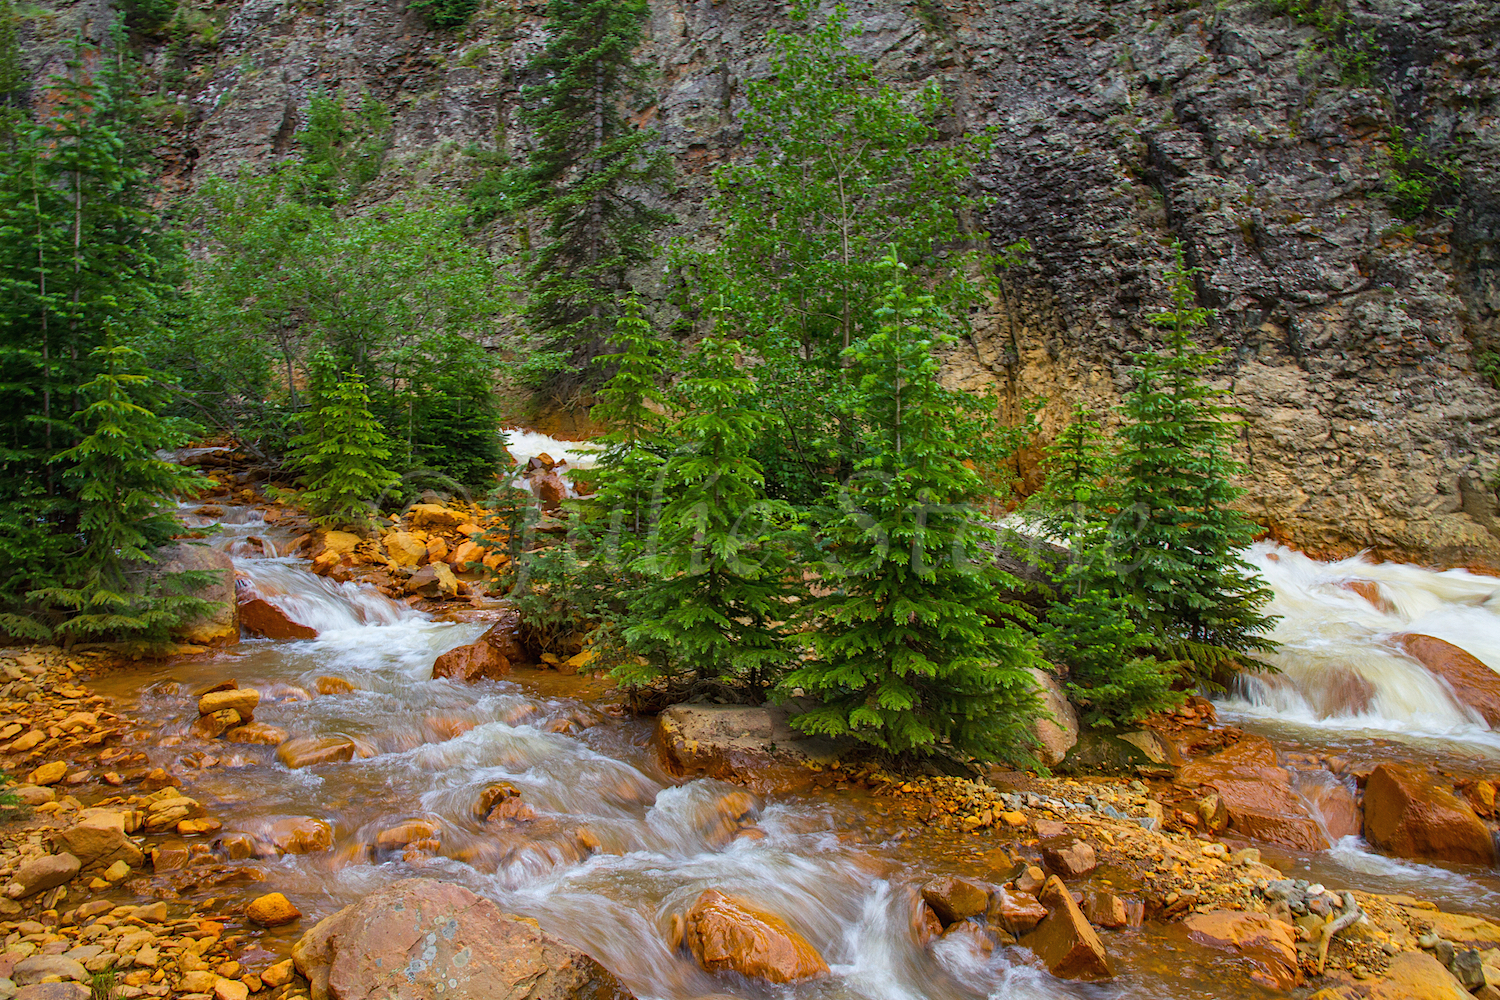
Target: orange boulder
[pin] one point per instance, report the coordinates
(726, 934)
(1257, 794)
(1475, 684)
(1411, 816)
(260, 617)
(1064, 941)
(1266, 944)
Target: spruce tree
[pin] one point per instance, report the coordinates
(717, 573)
(915, 652)
(343, 456)
(590, 174)
(1175, 536)
(1111, 675)
(124, 511)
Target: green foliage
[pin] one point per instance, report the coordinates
(841, 166)
(1094, 634)
(446, 14)
(395, 294)
(1488, 364)
(1176, 537)
(717, 573)
(590, 175)
(123, 505)
(343, 456)
(343, 149)
(86, 266)
(102, 985)
(147, 16)
(11, 806)
(1350, 51)
(1418, 180)
(12, 72)
(915, 652)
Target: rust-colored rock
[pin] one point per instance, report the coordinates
(1257, 794)
(1415, 975)
(259, 616)
(1370, 591)
(1337, 806)
(955, 898)
(211, 727)
(1104, 909)
(1266, 944)
(478, 661)
(491, 796)
(1069, 857)
(256, 734)
(925, 925)
(422, 939)
(726, 934)
(754, 746)
(1475, 684)
(301, 835)
(1016, 912)
(333, 685)
(549, 488)
(1408, 814)
(309, 751)
(1064, 941)
(405, 833)
(272, 910)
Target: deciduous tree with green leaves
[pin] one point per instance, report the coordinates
(916, 652)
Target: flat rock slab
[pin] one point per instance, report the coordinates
(749, 745)
(420, 939)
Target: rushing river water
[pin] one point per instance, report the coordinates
(616, 847)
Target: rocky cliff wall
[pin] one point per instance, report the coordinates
(1352, 334)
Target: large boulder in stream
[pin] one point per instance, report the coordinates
(1411, 816)
(1473, 683)
(1064, 940)
(259, 616)
(1267, 946)
(1257, 793)
(421, 939)
(221, 626)
(726, 934)
(748, 745)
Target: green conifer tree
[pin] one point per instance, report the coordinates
(124, 513)
(1089, 628)
(590, 174)
(915, 653)
(1176, 538)
(716, 589)
(343, 456)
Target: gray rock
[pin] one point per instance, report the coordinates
(42, 873)
(53, 991)
(38, 967)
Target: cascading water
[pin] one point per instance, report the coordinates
(1338, 667)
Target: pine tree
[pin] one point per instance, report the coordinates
(717, 579)
(1175, 535)
(343, 457)
(123, 514)
(915, 652)
(1088, 627)
(590, 174)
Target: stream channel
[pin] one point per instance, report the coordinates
(830, 863)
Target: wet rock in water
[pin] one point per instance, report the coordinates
(171, 855)
(256, 734)
(925, 925)
(1064, 940)
(1069, 857)
(1337, 807)
(1104, 909)
(1058, 734)
(1267, 945)
(1408, 814)
(478, 661)
(1414, 975)
(98, 840)
(422, 939)
(221, 625)
(433, 581)
(211, 727)
(955, 898)
(260, 617)
(165, 814)
(333, 685)
(1370, 591)
(1257, 794)
(301, 835)
(753, 746)
(241, 700)
(485, 803)
(272, 910)
(1474, 684)
(405, 833)
(549, 489)
(1016, 912)
(309, 751)
(726, 934)
(42, 873)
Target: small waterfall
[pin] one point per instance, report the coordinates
(318, 602)
(524, 445)
(1338, 665)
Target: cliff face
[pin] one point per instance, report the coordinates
(1352, 335)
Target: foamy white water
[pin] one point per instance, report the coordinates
(525, 445)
